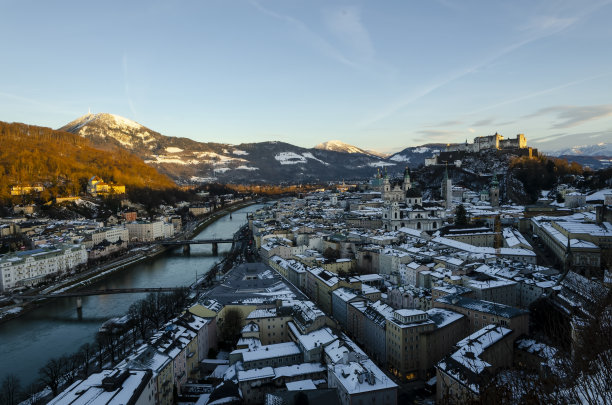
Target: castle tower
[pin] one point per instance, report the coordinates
(447, 190)
(406, 185)
(494, 192)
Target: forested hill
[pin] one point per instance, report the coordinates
(63, 162)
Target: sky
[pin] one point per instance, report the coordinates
(381, 75)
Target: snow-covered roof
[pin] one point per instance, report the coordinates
(361, 377)
(270, 351)
(443, 317)
(301, 385)
(488, 307)
(319, 337)
(474, 345)
(255, 374)
(91, 391)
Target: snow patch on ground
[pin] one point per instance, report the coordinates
(85, 203)
(172, 159)
(197, 179)
(221, 169)
(124, 122)
(400, 158)
(290, 158)
(422, 149)
(243, 167)
(215, 157)
(14, 310)
(240, 152)
(311, 156)
(380, 164)
(172, 149)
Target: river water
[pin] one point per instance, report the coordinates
(28, 342)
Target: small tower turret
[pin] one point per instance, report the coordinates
(494, 191)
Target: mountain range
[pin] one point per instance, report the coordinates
(599, 149)
(188, 161)
(340, 146)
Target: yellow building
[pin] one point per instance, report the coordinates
(272, 325)
(404, 349)
(24, 190)
(96, 186)
(192, 357)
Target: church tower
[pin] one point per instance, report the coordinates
(494, 192)
(406, 185)
(386, 188)
(447, 190)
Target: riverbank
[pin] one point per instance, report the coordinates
(56, 328)
(127, 260)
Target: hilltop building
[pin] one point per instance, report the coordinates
(96, 186)
(495, 141)
(24, 190)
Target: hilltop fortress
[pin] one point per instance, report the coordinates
(454, 152)
(495, 141)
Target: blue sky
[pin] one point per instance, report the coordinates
(377, 74)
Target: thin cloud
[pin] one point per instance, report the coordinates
(483, 123)
(541, 27)
(539, 93)
(436, 132)
(572, 116)
(449, 123)
(314, 40)
(566, 140)
(346, 24)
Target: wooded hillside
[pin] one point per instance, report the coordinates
(63, 162)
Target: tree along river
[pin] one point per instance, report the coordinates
(29, 341)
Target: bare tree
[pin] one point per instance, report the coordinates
(33, 394)
(51, 374)
(138, 315)
(72, 366)
(87, 354)
(10, 390)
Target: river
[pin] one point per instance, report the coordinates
(29, 341)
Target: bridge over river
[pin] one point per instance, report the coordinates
(186, 243)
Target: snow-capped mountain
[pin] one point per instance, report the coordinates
(415, 155)
(599, 149)
(339, 146)
(186, 160)
(114, 128)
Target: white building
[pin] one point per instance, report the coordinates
(112, 234)
(32, 266)
(145, 231)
